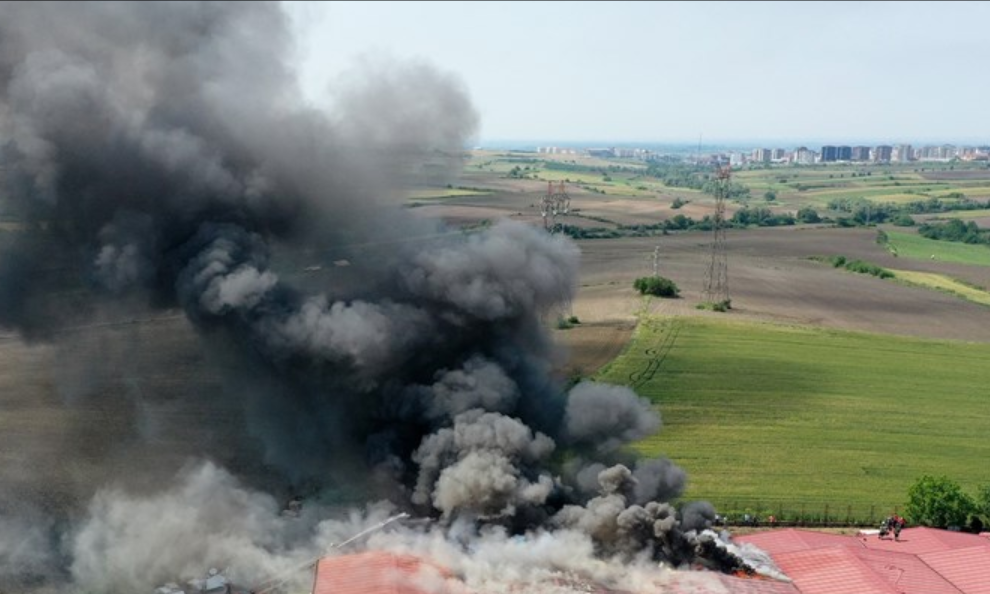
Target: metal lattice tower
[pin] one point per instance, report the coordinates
(717, 275)
(656, 261)
(556, 202)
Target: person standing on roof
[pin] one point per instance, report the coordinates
(898, 525)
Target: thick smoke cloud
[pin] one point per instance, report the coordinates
(479, 466)
(160, 160)
(606, 417)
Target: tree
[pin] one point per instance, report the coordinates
(656, 285)
(938, 502)
(770, 196)
(904, 220)
(808, 215)
(983, 501)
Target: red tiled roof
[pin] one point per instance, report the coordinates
(968, 569)
(756, 586)
(906, 572)
(832, 570)
(791, 539)
(920, 540)
(378, 572)
(923, 561)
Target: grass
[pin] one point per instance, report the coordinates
(970, 191)
(963, 214)
(445, 193)
(912, 245)
(788, 418)
(943, 283)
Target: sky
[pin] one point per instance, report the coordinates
(668, 72)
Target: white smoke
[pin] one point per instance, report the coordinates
(203, 519)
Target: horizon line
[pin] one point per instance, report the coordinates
(766, 143)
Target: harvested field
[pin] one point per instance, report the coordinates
(957, 175)
(58, 444)
(770, 278)
(589, 347)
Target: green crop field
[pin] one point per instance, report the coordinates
(789, 420)
(912, 245)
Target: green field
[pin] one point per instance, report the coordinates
(794, 186)
(789, 420)
(816, 185)
(963, 214)
(444, 193)
(912, 245)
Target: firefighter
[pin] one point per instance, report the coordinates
(898, 525)
(886, 526)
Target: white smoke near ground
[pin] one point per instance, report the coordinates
(130, 542)
(206, 518)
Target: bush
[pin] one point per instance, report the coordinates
(677, 203)
(808, 215)
(866, 268)
(938, 502)
(720, 306)
(983, 500)
(656, 285)
(903, 220)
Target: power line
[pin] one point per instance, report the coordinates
(554, 203)
(717, 276)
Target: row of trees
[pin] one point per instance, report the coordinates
(955, 230)
(687, 176)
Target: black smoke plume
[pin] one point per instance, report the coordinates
(159, 158)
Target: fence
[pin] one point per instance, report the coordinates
(739, 512)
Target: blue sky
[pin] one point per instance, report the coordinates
(670, 71)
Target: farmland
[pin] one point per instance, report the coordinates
(770, 415)
(610, 193)
(943, 283)
(778, 404)
(912, 245)
(805, 359)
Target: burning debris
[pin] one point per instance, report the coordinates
(164, 160)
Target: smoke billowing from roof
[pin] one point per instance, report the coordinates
(162, 159)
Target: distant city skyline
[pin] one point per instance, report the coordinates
(706, 145)
(733, 72)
